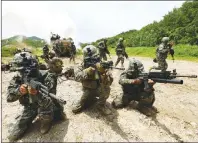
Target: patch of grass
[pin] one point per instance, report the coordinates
(182, 52)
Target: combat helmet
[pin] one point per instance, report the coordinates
(90, 51)
(90, 55)
(165, 39)
(120, 40)
(135, 67)
(24, 60)
(56, 65)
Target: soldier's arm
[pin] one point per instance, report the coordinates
(162, 49)
(80, 74)
(13, 93)
(107, 51)
(124, 80)
(51, 82)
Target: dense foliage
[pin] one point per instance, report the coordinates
(181, 25)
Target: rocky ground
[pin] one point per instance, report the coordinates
(177, 119)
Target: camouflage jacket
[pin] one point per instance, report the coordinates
(162, 52)
(13, 94)
(120, 49)
(90, 82)
(128, 87)
(103, 47)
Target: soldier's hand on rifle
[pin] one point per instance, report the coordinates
(100, 68)
(90, 70)
(151, 82)
(23, 89)
(32, 91)
(136, 81)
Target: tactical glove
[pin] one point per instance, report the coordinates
(100, 68)
(32, 91)
(136, 81)
(23, 89)
(90, 70)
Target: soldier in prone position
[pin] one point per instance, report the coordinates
(133, 89)
(36, 106)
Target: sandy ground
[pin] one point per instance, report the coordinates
(177, 119)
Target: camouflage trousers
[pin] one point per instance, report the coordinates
(162, 65)
(30, 112)
(120, 58)
(89, 97)
(144, 99)
(103, 56)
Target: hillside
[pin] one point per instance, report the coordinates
(10, 45)
(180, 24)
(32, 41)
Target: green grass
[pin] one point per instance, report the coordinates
(182, 52)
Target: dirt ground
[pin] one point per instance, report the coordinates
(176, 121)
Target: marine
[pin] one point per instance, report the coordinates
(36, 106)
(133, 89)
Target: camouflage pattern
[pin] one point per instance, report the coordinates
(73, 51)
(103, 50)
(91, 89)
(94, 84)
(120, 52)
(131, 91)
(45, 108)
(161, 55)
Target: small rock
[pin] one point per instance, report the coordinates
(193, 124)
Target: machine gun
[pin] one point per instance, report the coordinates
(163, 77)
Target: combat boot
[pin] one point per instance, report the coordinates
(104, 110)
(77, 109)
(46, 121)
(14, 136)
(144, 110)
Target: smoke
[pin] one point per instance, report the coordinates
(19, 38)
(36, 19)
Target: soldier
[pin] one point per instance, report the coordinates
(36, 106)
(95, 81)
(47, 55)
(103, 50)
(120, 52)
(161, 55)
(133, 89)
(73, 51)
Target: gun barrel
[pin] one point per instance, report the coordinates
(117, 68)
(173, 81)
(53, 96)
(189, 76)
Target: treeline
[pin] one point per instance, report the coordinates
(181, 25)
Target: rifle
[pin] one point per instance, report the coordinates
(171, 51)
(163, 77)
(109, 65)
(29, 74)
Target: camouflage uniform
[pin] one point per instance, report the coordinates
(102, 46)
(91, 86)
(37, 105)
(120, 52)
(73, 51)
(161, 55)
(133, 91)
